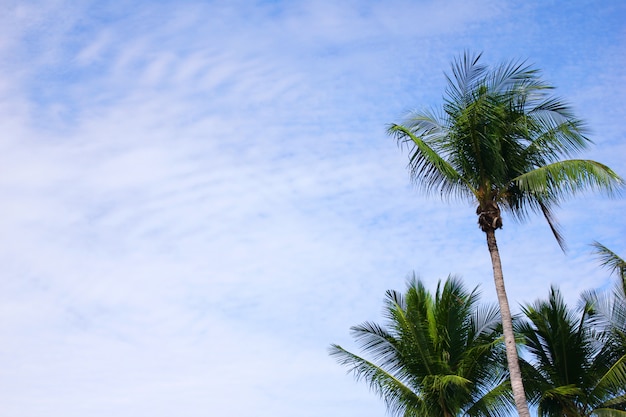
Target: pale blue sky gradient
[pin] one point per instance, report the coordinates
(199, 197)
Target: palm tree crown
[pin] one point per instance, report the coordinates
(438, 355)
(500, 141)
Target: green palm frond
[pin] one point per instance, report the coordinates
(553, 224)
(393, 391)
(599, 306)
(411, 320)
(376, 340)
(614, 380)
(440, 383)
(486, 319)
(554, 132)
(536, 381)
(554, 182)
(435, 172)
(608, 311)
(561, 392)
(467, 72)
(619, 401)
(496, 401)
(515, 77)
(607, 314)
(609, 412)
(561, 401)
(610, 260)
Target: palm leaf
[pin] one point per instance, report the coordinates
(609, 412)
(610, 260)
(619, 401)
(466, 71)
(395, 394)
(435, 173)
(378, 342)
(497, 401)
(553, 182)
(614, 380)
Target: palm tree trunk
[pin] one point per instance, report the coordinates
(515, 374)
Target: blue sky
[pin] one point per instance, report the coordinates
(199, 197)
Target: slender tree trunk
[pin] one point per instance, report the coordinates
(507, 326)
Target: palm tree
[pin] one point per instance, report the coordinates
(499, 142)
(608, 311)
(439, 355)
(572, 372)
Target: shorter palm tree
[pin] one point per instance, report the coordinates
(570, 371)
(439, 355)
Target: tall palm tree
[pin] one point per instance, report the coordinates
(572, 371)
(438, 355)
(499, 142)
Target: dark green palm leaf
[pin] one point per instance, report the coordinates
(554, 182)
(572, 371)
(609, 412)
(436, 172)
(610, 259)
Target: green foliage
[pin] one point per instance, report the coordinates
(611, 260)
(573, 370)
(608, 311)
(438, 354)
(503, 141)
